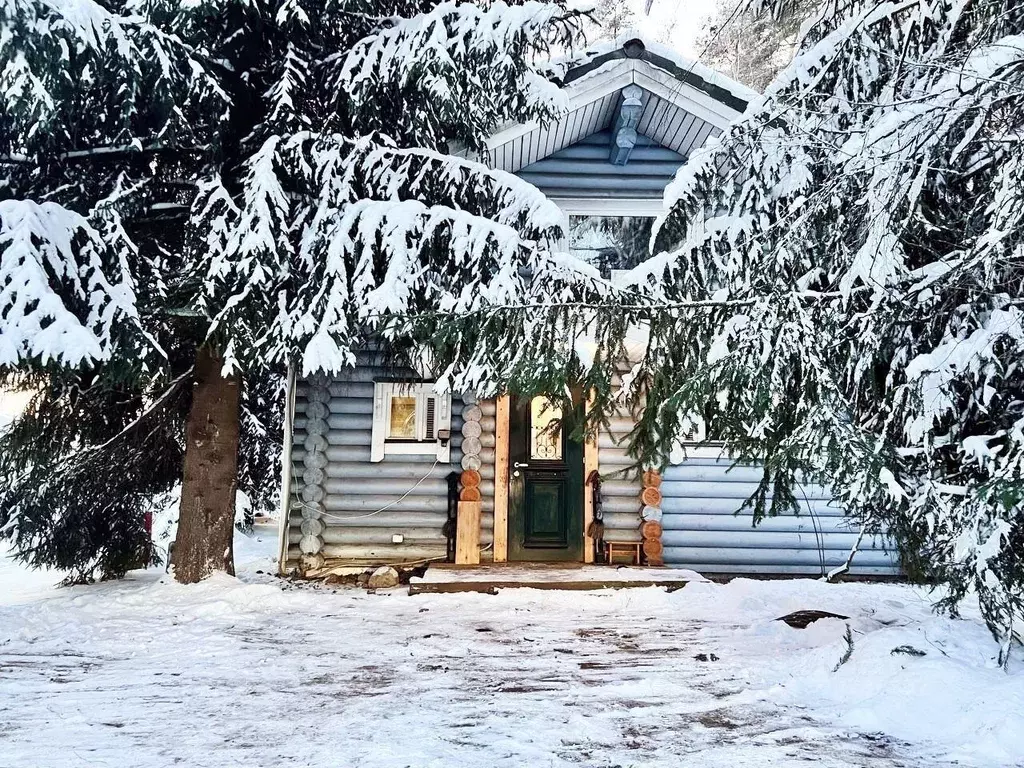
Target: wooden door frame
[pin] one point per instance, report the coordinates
(502, 477)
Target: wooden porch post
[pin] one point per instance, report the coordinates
(501, 428)
(590, 464)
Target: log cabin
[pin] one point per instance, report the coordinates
(382, 469)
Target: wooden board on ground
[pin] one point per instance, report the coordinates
(489, 578)
(467, 533)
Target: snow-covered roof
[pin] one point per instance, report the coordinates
(684, 102)
(689, 71)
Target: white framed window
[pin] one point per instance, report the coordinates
(410, 419)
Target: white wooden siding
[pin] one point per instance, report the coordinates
(582, 170)
(666, 123)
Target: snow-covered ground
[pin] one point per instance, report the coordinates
(260, 672)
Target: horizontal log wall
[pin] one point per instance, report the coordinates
(620, 481)
(348, 493)
(703, 529)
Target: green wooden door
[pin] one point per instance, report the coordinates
(545, 506)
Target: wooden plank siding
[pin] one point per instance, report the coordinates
(662, 124)
(583, 170)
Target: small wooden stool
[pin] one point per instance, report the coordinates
(630, 549)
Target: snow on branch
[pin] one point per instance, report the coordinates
(459, 63)
(351, 232)
(885, 166)
(51, 48)
(58, 303)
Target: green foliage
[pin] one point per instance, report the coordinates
(259, 176)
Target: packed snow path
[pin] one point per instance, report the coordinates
(228, 673)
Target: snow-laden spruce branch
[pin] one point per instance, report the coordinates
(452, 41)
(214, 179)
(56, 298)
(36, 37)
(877, 166)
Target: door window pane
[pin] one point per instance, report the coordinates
(545, 430)
(402, 419)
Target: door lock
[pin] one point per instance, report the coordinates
(519, 465)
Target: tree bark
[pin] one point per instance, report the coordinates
(207, 514)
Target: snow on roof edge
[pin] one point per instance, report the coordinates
(574, 63)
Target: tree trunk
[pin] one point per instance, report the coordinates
(207, 515)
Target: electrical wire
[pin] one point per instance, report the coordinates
(382, 509)
(817, 535)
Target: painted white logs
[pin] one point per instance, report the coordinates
(311, 499)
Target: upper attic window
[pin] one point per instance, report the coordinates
(611, 243)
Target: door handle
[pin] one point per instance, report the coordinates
(519, 464)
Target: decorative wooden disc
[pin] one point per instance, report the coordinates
(650, 530)
(315, 443)
(472, 412)
(651, 497)
(313, 493)
(317, 395)
(311, 511)
(469, 494)
(311, 562)
(471, 462)
(313, 476)
(316, 459)
(472, 429)
(653, 549)
(657, 562)
(652, 479)
(471, 446)
(469, 398)
(317, 427)
(470, 478)
(310, 545)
